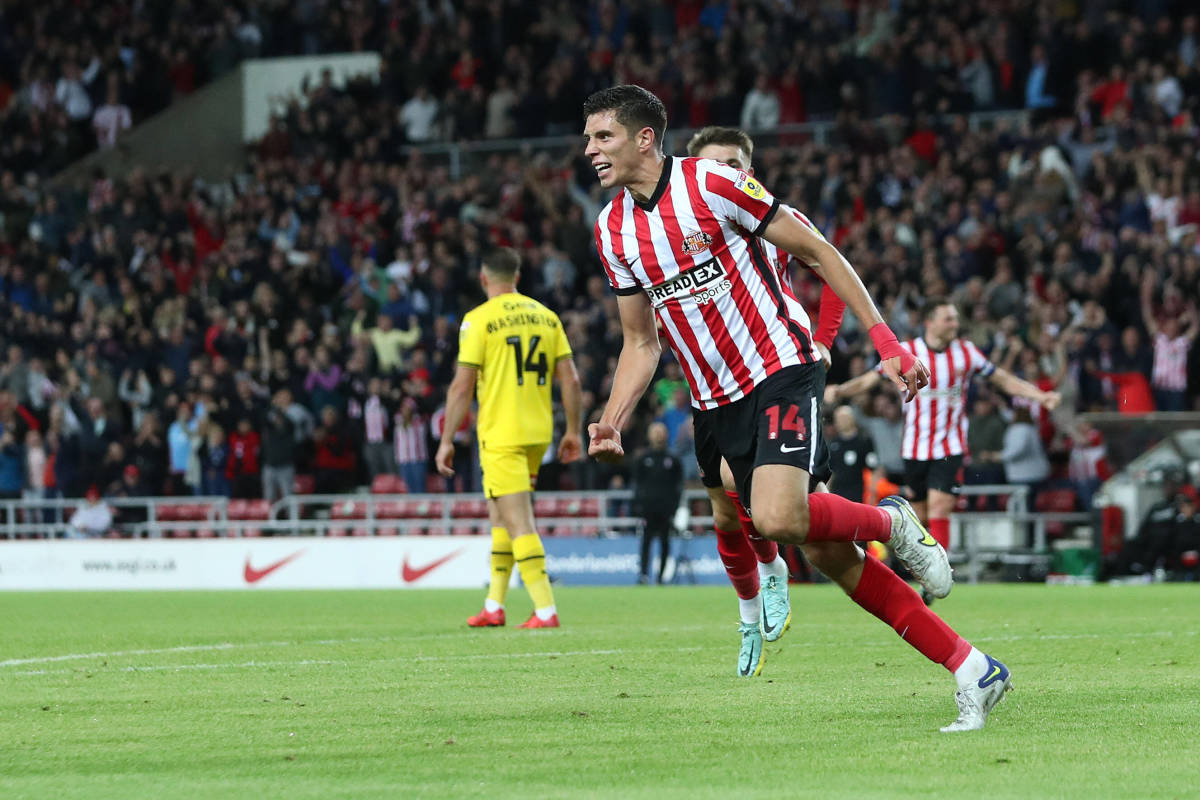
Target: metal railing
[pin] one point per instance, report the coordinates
(460, 155)
(963, 527)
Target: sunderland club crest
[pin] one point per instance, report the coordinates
(696, 242)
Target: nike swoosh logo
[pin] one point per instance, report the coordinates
(929, 541)
(766, 628)
(410, 574)
(985, 681)
(783, 448)
(253, 575)
(749, 661)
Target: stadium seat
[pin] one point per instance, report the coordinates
(390, 509)
(425, 509)
(1056, 500)
(236, 509)
(473, 508)
(304, 484)
(387, 484)
(348, 509)
(545, 507)
(434, 484)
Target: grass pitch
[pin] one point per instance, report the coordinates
(388, 694)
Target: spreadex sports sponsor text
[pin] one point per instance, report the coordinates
(702, 283)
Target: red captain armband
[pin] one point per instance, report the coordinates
(833, 308)
(887, 347)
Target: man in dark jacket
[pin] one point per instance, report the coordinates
(657, 487)
(278, 449)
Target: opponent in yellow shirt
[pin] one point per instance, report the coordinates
(510, 348)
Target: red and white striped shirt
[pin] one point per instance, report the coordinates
(1170, 362)
(375, 419)
(935, 423)
(729, 319)
(781, 258)
(411, 439)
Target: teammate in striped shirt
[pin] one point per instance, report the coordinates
(754, 565)
(673, 244)
(935, 426)
(844, 562)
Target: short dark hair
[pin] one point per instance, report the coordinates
(503, 262)
(636, 108)
(721, 135)
(933, 304)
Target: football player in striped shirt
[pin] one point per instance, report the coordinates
(935, 425)
(673, 244)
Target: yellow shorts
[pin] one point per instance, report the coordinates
(509, 470)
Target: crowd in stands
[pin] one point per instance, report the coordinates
(164, 335)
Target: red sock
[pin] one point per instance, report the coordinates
(740, 563)
(764, 549)
(939, 529)
(881, 592)
(836, 519)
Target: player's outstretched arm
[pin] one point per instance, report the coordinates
(1011, 385)
(570, 447)
(901, 367)
(640, 352)
(853, 387)
(458, 401)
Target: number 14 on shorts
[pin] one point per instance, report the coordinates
(786, 420)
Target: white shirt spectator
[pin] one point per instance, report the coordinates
(1169, 95)
(73, 97)
(760, 111)
(93, 519)
(498, 122)
(71, 91)
(108, 122)
(418, 115)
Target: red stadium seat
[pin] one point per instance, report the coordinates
(389, 509)
(304, 484)
(236, 509)
(545, 507)
(1056, 500)
(205, 533)
(258, 509)
(387, 484)
(473, 508)
(348, 509)
(425, 509)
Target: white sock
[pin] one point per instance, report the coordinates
(776, 569)
(971, 669)
(491, 606)
(751, 610)
(546, 613)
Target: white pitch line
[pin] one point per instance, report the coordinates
(200, 648)
(189, 648)
(181, 667)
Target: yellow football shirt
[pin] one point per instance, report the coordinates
(515, 342)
